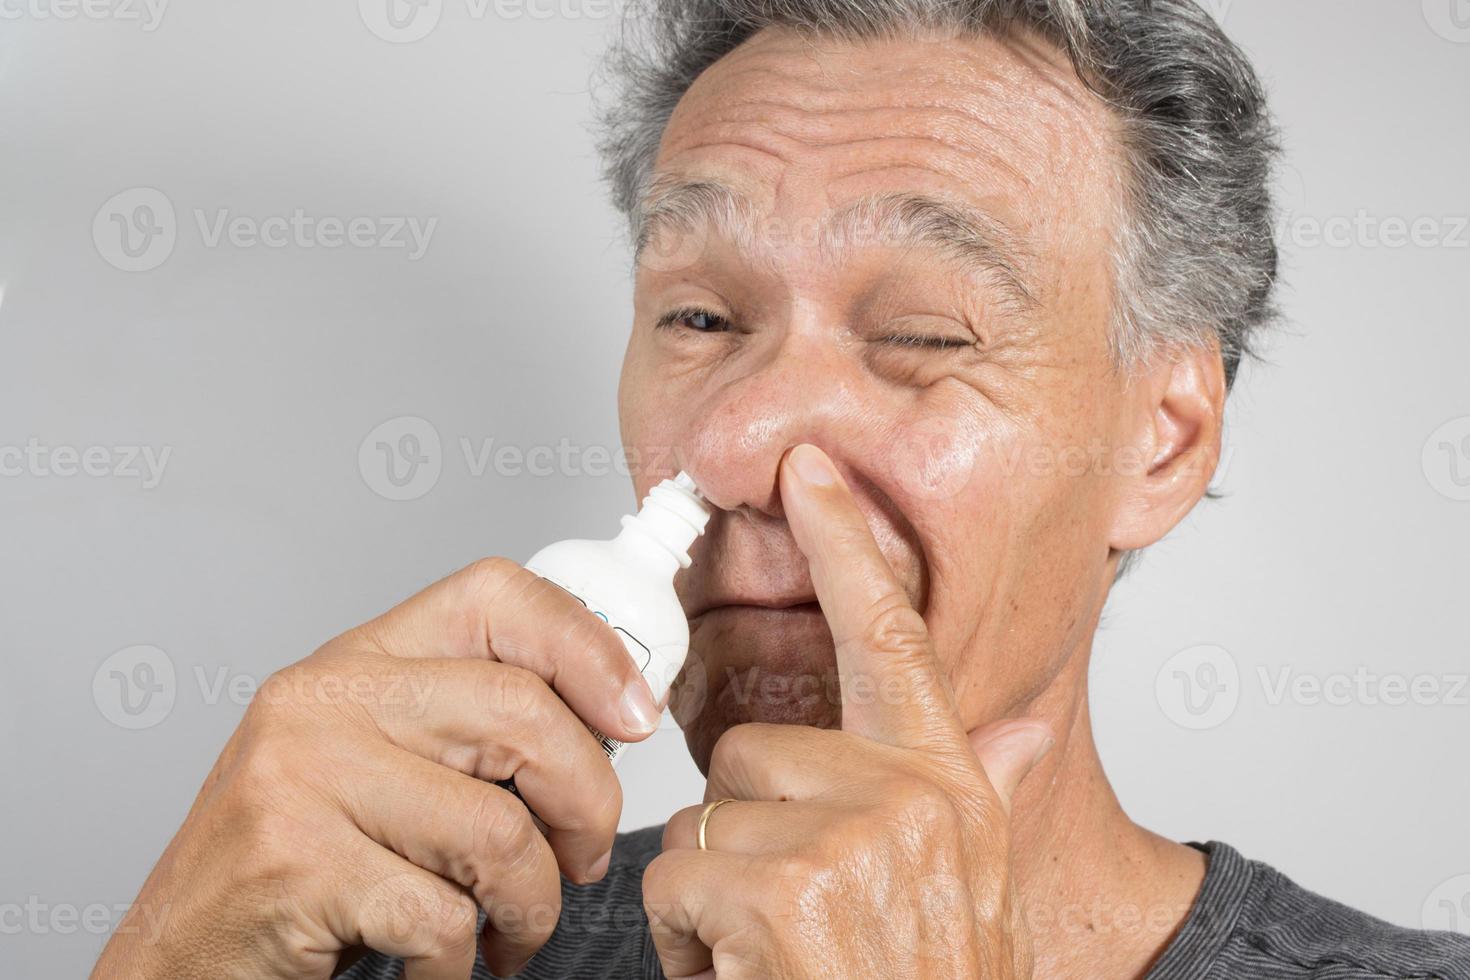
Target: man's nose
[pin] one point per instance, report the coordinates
(802, 390)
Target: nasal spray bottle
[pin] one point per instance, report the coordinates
(628, 582)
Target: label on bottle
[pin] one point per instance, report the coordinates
(642, 658)
(611, 746)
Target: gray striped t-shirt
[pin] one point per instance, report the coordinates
(1249, 921)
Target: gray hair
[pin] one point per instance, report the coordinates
(1194, 255)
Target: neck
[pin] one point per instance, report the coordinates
(1098, 894)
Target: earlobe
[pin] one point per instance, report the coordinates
(1179, 439)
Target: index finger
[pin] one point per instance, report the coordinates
(892, 688)
(497, 610)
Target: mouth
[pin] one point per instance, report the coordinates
(766, 659)
(800, 605)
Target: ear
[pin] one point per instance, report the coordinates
(1177, 417)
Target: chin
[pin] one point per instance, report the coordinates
(752, 664)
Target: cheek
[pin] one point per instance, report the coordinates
(651, 419)
(1012, 541)
(934, 459)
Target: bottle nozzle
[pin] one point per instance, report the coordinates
(686, 482)
(674, 513)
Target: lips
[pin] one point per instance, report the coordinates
(787, 604)
(762, 659)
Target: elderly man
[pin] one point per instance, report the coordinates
(940, 302)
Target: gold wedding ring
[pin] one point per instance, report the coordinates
(704, 816)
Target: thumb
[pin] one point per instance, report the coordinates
(1008, 750)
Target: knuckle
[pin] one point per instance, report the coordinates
(490, 570)
(270, 759)
(597, 806)
(590, 636)
(920, 817)
(802, 871)
(605, 803)
(530, 921)
(803, 887)
(660, 885)
(895, 628)
(680, 828)
(486, 576)
(452, 936)
(541, 917)
(497, 829)
(735, 747)
(928, 804)
(423, 915)
(505, 691)
(276, 697)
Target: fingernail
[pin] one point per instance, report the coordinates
(639, 712)
(599, 868)
(812, 466)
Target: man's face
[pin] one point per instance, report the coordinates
(899, 253)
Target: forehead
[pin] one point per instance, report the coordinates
(803, 126)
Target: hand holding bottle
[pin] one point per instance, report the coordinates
(355, 805)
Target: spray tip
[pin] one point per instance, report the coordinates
(686, 482)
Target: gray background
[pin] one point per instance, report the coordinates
(1341, 544)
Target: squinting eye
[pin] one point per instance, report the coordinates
(700, 321)
(930, 343)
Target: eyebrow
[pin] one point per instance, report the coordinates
(966, 234)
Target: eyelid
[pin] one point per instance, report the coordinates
(930, 342)
(671, 318)
(926, 329)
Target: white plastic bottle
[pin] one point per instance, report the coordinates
(628, 582)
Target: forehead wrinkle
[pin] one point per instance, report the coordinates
(1008, 70)
(959, 131)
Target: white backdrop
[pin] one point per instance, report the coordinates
(180, 423)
